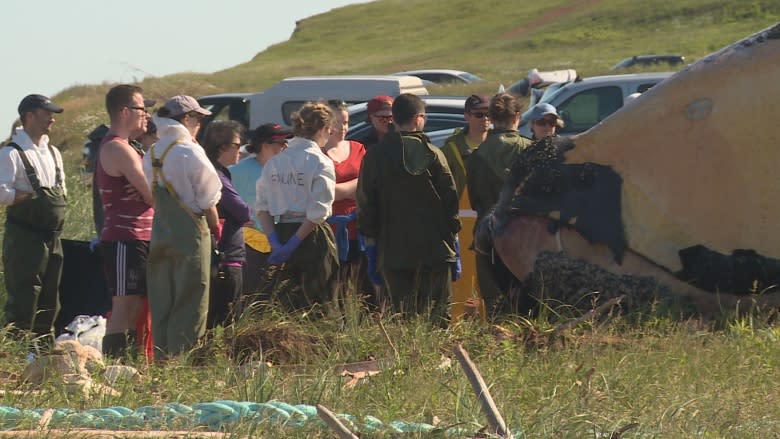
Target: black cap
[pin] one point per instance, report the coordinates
(33, 102)
(269, 131)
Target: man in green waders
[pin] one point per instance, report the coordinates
(186, 190)
(32, 185)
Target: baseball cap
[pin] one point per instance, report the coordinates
(183, 104)
(541, 110)
(264, 133)
(269, 131)
(34, 101)
(149, 102)
(379, 103)
(474, 102)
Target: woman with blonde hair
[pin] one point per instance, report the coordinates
(295, 195)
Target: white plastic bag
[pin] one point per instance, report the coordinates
(87, 330)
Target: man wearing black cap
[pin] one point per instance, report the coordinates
(266, 141)
(32, 185)
(457, 149)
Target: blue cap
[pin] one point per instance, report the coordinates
(541, 110)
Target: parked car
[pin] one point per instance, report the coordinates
(584, 103)
(434, 122)
(649, 60)
(227, 106)
(433, 104)
(279, 101)
(442, 76)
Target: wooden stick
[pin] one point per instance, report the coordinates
(595, 312)
(45, 419)
(495, 420)
(334, 423)
(382, 329)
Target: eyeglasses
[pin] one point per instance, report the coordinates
(196, 116)
(141, 109)
(282, 142)
(547, 122)
(235, 144)
(479, 114)
(386, 119)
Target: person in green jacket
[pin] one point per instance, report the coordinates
(459, 146)
(486, 171)
(408, 212)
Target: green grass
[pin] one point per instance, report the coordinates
(675, 379)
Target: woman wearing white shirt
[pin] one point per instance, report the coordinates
(294, 198)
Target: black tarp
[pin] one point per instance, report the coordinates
(83, 286)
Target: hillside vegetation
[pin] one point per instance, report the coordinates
(499, 40)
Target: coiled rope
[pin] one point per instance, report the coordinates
(213, 415)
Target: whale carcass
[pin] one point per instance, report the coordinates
(679, 191)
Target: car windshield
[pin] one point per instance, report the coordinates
(470, 78)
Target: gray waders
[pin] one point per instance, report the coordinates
(32, 253)
(178, 268)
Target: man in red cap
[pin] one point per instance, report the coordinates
(380, 116)
(32, 185)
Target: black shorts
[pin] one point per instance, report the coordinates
(124, 264)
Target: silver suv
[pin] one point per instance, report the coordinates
(584, 103)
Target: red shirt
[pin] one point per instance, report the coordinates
(127, 219)
(348, 170)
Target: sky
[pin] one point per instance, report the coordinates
(50, 45)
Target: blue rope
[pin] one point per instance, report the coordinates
(213, 415)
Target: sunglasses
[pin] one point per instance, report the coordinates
(281, 142)
(387, 119)
(479, 114)
(547, 122)
(141, 109)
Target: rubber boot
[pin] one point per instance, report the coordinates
(118, 344)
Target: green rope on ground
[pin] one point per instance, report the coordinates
(214, 415)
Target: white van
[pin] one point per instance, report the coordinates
(278, 102)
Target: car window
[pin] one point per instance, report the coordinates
(589, 107)
(441, 124)
(470, 77)
(644, 87)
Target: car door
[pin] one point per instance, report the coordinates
(588, 107)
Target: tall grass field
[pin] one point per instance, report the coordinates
(636, 374)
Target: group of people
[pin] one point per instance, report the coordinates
(190, 231)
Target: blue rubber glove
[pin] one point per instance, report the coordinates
(371, 269)
(456, 267)
(273, 239)
(94, 243)
(281, 255)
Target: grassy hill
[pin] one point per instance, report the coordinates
(499, 40)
